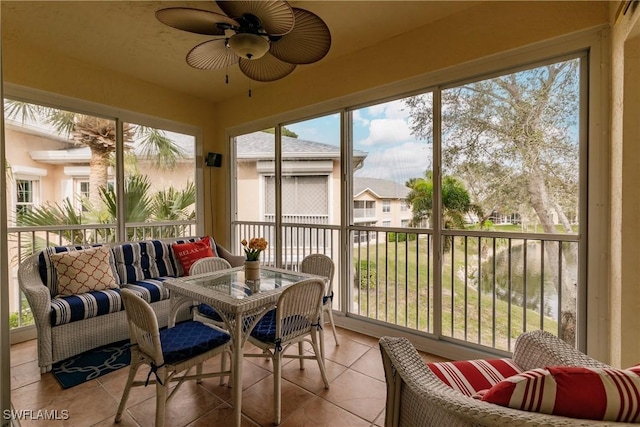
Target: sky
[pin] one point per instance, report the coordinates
(382, 131)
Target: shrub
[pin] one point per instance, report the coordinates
(366, 275)
(401, 237)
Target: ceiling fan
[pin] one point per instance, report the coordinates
(266, 38)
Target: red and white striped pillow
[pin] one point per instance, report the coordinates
(587, 393)
(471, 376)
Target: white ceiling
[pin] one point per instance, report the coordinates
(125, 37)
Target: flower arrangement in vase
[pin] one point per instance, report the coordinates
(252, 251)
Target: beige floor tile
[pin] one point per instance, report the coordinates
(429, 358)
(380, 420)
(310, 378)
(370, 364)
(24, 352)
(251, 374)
(257, 401)
(220, 416)
(48, 391)
(350, 335)
(25, 373)
(115, 382)
(346, 353)
(126, 421)
(83, 408)
(190, 402)
(320, 413)
(358, 393)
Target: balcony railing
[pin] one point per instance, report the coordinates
(362, 213)
(24, 241)
(493, 286)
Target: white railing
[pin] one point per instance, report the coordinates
(299, 219)
(359, 213)
(493, 286)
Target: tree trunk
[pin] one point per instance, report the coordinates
(542, 205)
(98, 175)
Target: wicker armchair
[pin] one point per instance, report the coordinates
(416, 397)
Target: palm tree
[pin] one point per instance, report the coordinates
(99, 134)
(141, 207)
(456, 202)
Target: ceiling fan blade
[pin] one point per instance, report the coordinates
(194, 20)
(276, 16)
(266, 69)
(211, 55)
(308, 42)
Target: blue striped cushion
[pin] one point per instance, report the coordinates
(177, 264)
(150, 290)
(265, 330)
(47, 269)
(143, 260)
(189, 339)
(69, 308)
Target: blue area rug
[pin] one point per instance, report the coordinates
(92, 364)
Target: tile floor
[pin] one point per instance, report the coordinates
(356, 396)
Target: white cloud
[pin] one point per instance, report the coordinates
(387, 131)
(398, 163)
(389, 110)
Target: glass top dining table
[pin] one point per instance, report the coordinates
(240, 303)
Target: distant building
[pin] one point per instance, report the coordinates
(310, 185)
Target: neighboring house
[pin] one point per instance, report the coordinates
(310, 185)
(380, 203)
(45, 168)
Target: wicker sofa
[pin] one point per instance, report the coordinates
(417, 397)
(63, 333)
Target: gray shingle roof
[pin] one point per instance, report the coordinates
(383, 188)
(260, 145)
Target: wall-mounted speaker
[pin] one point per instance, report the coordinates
(213, 160)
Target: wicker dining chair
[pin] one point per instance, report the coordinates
(205, 312)
(322, 265)
(167, 352)
(295, 319)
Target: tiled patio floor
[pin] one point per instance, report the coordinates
(356, 396)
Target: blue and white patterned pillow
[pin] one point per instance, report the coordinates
(48, 271)
(146, 259)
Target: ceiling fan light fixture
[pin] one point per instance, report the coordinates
(249, 46)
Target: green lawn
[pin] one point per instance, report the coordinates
(400, 291)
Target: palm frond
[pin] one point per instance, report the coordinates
(157, 146)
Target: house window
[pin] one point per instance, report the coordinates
(83, 193)
(25, 197)
(403, 205)
(386, 206)
(386, 223)
(304, 199)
